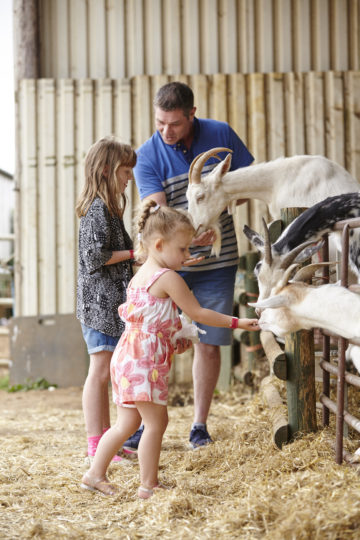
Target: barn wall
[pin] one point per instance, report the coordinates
(275, 114)
(122, 38)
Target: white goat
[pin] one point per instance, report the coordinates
(281, 183)
(293, 305)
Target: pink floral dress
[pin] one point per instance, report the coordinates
(141, 362)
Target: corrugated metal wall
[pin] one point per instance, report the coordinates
(275, 114)
(122, 38)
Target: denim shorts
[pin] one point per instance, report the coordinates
(214, 289)
(97, 341)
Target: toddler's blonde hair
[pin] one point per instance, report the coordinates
(162, 220)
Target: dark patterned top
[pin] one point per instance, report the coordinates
(102, 288)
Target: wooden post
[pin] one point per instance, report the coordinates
(252, 293)
(299, 351)
(271, 397)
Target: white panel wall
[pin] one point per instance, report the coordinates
(123, 38)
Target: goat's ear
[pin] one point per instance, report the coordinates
(272, 302)
(221, 169)
(256, 239)
(308, 252)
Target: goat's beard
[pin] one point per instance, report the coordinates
(216, 247)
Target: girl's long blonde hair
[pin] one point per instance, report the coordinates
(162, 220)
(110, 154)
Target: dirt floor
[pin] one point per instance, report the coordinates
(241, 486)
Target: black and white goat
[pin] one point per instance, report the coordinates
(281, 183)
(309, 226)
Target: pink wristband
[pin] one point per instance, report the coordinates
(234, 322)
(131, 253)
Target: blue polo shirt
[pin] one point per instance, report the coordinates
(165, 167)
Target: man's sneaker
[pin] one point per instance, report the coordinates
(131, 445)
(199, 436)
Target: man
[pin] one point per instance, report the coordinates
(161, 174)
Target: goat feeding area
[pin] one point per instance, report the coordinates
(242, 486)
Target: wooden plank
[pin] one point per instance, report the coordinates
(191, 47)
(175, 52)
(116, 38)
(97, 50)
(217, 92)
(257, 137)
(334, 116)
(142, 109)
(153, 37)
(47, 197)
(199, 85)
(294, 110)
(237, 118)
(60, 38)
(65, 198)
(227, 36)
(134, 38)
(314, 113)
(84, 127)
(275, 115)
(103, 108)
(352, 122)
(299, 351)
(209, 52)
(244, 38)
(78, 33)
(26, 267)
(122, 130)
(282, 43)
(353, 35)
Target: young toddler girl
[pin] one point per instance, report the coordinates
(141, 362)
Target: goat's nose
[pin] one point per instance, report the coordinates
(258, 311)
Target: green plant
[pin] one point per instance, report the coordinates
(39, 384)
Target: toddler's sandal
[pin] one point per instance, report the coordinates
(99, 485)
(146, 493)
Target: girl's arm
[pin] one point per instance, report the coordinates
(174, 285)
(119, 256)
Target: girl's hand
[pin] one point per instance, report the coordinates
(182, 345)
(193, 260)
(248, 324)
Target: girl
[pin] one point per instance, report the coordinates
(141, 362)
(105, 254)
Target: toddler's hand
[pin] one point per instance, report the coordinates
(182, 345)
(249, 324)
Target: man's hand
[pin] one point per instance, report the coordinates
(206, 238)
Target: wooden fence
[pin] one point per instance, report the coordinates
(275, 114)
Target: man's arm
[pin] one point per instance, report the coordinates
(159, 198)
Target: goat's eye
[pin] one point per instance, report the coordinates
(257, 268)
(200, 198)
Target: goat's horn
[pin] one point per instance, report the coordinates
(306, 272)
(294, 253)
(267, 244)
(286, 276)
(198, 163)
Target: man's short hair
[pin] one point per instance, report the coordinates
(175, 95)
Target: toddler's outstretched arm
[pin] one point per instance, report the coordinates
(173, 285)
